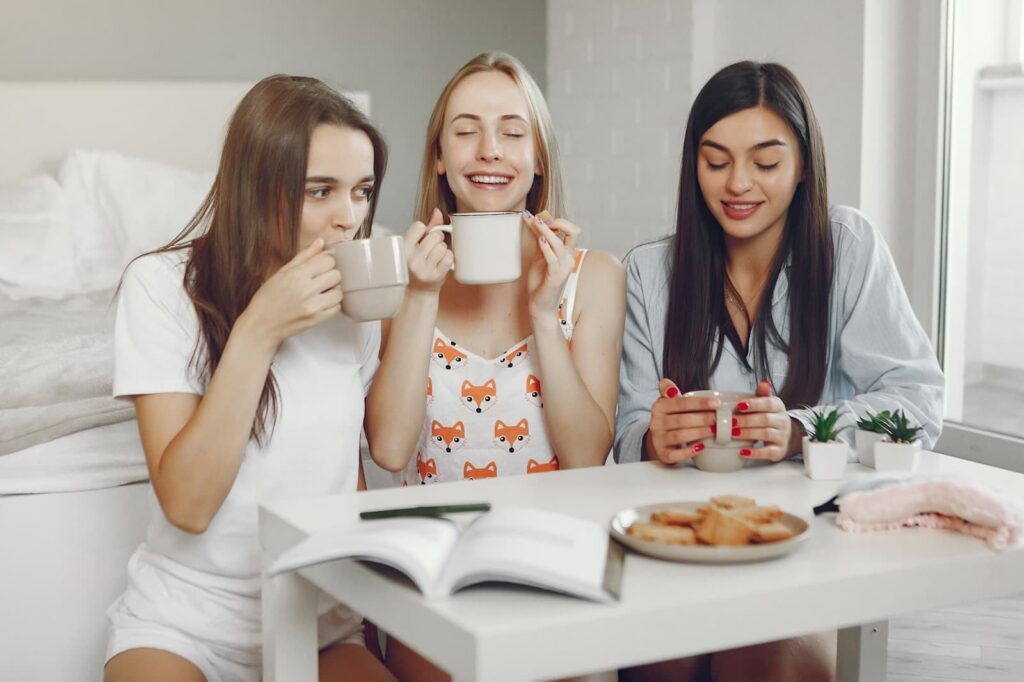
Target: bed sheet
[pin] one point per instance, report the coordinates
(101, 457)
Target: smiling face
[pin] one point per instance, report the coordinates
(748, 169)
(488, 151)
(339, 184)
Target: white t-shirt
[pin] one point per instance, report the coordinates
(323, 375)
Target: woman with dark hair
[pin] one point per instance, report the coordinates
(247, 383)
(764, 288)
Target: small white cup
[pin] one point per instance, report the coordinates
(487, 246)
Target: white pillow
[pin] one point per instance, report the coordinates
(36, 254)
(124, 207)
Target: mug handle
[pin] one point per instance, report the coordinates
(723, 420)
(448, 230)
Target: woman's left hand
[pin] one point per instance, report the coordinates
(556, 254)
(764, 419)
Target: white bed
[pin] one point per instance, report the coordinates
(74, 508)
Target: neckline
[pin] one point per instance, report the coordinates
(467, 351)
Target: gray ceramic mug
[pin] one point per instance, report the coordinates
(374, 276)
(721, 454)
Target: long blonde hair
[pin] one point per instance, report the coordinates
(546, 192)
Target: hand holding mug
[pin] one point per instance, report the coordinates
(430, 259)
(554, 261)
(764, 418)
(301, 294)
(679, 424)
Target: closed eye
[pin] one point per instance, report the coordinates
(717, 166)
(767, 166)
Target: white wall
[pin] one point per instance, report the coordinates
(622, 76)
(619, 89)
(401, 52)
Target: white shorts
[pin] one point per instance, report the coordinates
(209, 620)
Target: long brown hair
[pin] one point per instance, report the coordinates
(546, 192)
(248, 225)
(698, 322)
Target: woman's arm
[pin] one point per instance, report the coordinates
(880, 350)
(579, 385)
(194, 444)
(396, 403)
(640, 370)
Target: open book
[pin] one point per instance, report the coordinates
(518, 545)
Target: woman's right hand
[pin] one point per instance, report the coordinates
(678, 424)
(429, 257)
(302, 294)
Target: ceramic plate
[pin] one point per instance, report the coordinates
(704, 554)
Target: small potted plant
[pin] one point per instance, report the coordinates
(824, 455)
(870, 430)
(902, 450)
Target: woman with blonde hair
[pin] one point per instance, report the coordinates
(496, 379)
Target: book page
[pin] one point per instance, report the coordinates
(532, 547)
(419, 547)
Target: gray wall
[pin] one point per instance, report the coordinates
(402, 52)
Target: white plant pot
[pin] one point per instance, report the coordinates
(897, 457)
(825, 461)
(866, 446)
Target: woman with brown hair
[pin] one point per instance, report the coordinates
(247, 383)
(765, 289)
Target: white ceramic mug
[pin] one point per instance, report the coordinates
(721, 454)
(487, 246)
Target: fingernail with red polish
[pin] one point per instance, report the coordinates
(673, 392)
(735, 432)
(698, 447)
(744, 452)
(743, 406)
(714, 429)
(735, 421)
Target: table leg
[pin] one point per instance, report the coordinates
(289, 629)
(863, 652)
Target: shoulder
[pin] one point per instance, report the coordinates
(602, 279)
(852, 232)
(599, 265)
(650, 256)
(156, 269)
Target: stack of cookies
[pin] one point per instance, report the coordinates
(728, 520)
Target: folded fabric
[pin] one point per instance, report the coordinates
(889, 503)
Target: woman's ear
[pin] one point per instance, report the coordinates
(439, 164)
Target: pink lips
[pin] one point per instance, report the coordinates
(735, 213)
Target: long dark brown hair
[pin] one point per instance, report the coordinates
(698, 322)
(248, 225)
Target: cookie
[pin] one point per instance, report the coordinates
(722, 527)
(758, 514)
(772, 532)
(732, 501)
(656, 532)
(677, 516)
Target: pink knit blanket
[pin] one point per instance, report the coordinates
(933, 503)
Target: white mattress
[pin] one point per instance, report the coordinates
(100, 457)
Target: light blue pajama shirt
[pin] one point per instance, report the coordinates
(879, 357)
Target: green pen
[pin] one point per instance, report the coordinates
(436, 510)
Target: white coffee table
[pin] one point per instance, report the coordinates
(495, 633)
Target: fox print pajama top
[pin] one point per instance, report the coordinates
(485, 416)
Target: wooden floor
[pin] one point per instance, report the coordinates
(976, 642)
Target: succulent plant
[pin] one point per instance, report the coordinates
(874, 423)
(898, 428)
(823, 425)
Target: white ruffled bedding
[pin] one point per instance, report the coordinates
(56, 365)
